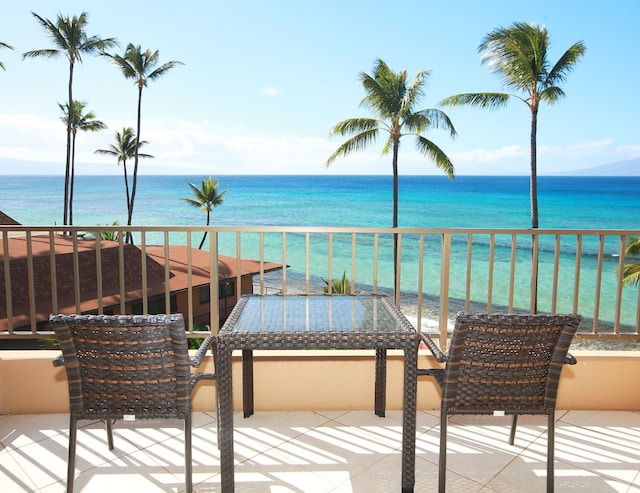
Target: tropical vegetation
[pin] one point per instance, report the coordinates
(519, 53)
(85, 122)
(393, 101)
(393, 104)
(69, 37)
(124, 150)
(4, 45)
(338, 286)
(206, 197)
(141, 66)
(632, 269)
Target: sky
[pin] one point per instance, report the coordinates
(263, 83)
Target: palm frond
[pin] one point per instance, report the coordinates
(354, 125)
(356, 143)
(437, 155)
(488, 100)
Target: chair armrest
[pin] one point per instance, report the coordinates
(202, 351)
(570, 360)
(435, 350)
(59, 361)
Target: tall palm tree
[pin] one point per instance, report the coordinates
(393, 104)
(140, 66)
(632, 270)
(70, 38)
(206, 198)
(123, 150)
(78, 121)
(519, 53)
(4, 45)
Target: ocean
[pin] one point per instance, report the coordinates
(597, 203)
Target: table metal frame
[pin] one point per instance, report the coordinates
(403, 336)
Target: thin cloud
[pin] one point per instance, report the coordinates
(270, 91)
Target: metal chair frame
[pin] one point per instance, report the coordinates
(506, 363)
(120, 366)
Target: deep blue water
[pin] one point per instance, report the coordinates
(597, 203)
(425, 201)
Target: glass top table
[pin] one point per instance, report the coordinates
(300, 322)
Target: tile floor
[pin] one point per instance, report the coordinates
(325, 452)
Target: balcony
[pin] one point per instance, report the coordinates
(332, 437)
(326, 451)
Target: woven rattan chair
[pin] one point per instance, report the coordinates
(125, 366)
(503, 363)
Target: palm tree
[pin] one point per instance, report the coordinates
(519, 54)
(123, 150)
(78, 121)
(632, 270)
(140, 66)
(206, 198)
(69, 37)
(4, 45)
(393, 104)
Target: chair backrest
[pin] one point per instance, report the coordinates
(506, 362)
(121, 365)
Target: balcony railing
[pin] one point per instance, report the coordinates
(436, 272)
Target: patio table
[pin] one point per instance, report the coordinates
(301, 322)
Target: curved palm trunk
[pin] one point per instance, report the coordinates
(68, 159)
(204, 237)
(126, 184)
(135, 166)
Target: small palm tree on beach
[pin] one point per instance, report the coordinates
(78, 121)
(519, 53)
(393, 102)
(206, 198)
(69, 38)
(4, 45)
(139, 65)
(632, 269)
(123, 150)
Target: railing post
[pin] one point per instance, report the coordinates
(444, 288)
(214, 298)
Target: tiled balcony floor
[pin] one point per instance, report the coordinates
(315, 452)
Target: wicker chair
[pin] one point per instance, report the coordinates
(503, 363)
(125, 366)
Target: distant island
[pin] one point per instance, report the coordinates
(630, 167)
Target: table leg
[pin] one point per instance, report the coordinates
(381, 383)
(409, 420)
(247, 382)
(225, 438)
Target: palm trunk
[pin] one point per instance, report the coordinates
(68, 159)
(396, 145)
(534, 203)
(72, 178)
(135, 165)
(126, 184)
(534, 168)
(205, 233)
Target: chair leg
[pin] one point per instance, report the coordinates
(188, 469)
(442, 463)
(110, 433)
(512, 435)
(551, 437)
(71, 461)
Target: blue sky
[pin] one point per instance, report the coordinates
(263, 82)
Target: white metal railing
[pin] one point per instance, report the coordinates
(438, 271)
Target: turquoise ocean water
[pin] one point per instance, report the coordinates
(597, 203)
